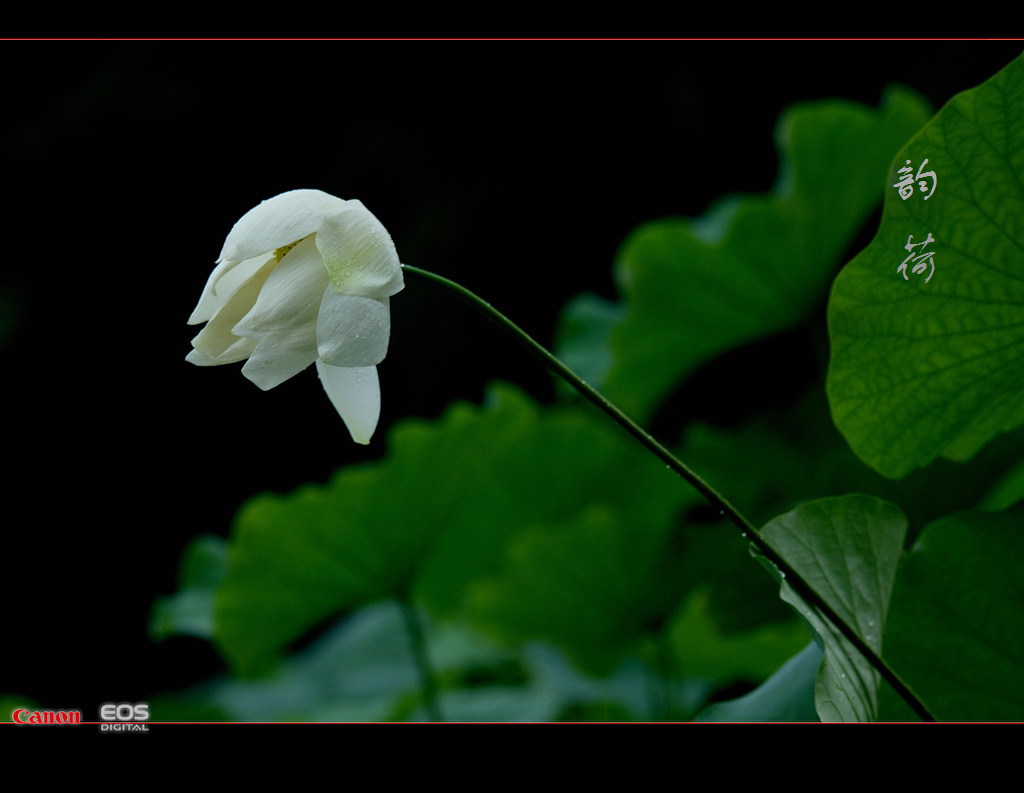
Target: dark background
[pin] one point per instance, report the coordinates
(515, 168)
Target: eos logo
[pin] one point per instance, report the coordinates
(125, 714)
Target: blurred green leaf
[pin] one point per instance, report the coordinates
(928, 364)
(362, 669)
(751, 266)
(300, 559)
(594, 586)
(739, 596)
(788, 695)
(956, 621)
(567, 464)
(601, 587)
(847, 549)
(189, 612)
(702, 649)
(771, 463)
(1007, 491)
(434, 515)
(584, 338)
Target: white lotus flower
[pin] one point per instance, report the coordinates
(304, 278)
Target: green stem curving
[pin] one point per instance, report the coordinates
(724, 507)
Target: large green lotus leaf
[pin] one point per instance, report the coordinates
(956, 623)
(434, 515)
(847, 549)
(752, 265)
(928, 360)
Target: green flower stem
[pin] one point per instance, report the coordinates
(428, 683)
(671, 461)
